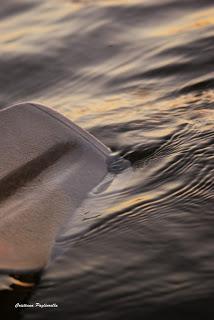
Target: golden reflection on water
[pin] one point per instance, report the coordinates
(83, 109)
(91, 112)
(104, 110)
(188, 23)
(144, 197)
(16, 38)
(106, 2)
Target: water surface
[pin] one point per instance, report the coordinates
(139, 76)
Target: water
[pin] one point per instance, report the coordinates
(139, 76)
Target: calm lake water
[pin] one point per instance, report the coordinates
(139, 76)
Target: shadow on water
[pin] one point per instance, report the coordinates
(139, 76)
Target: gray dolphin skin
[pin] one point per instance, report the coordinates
(47, 167)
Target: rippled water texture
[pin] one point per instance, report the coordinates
(139, 76)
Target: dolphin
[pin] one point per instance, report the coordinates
(48, 165)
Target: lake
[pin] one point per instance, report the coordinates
(138, 75)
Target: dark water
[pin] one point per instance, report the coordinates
(139, 76)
